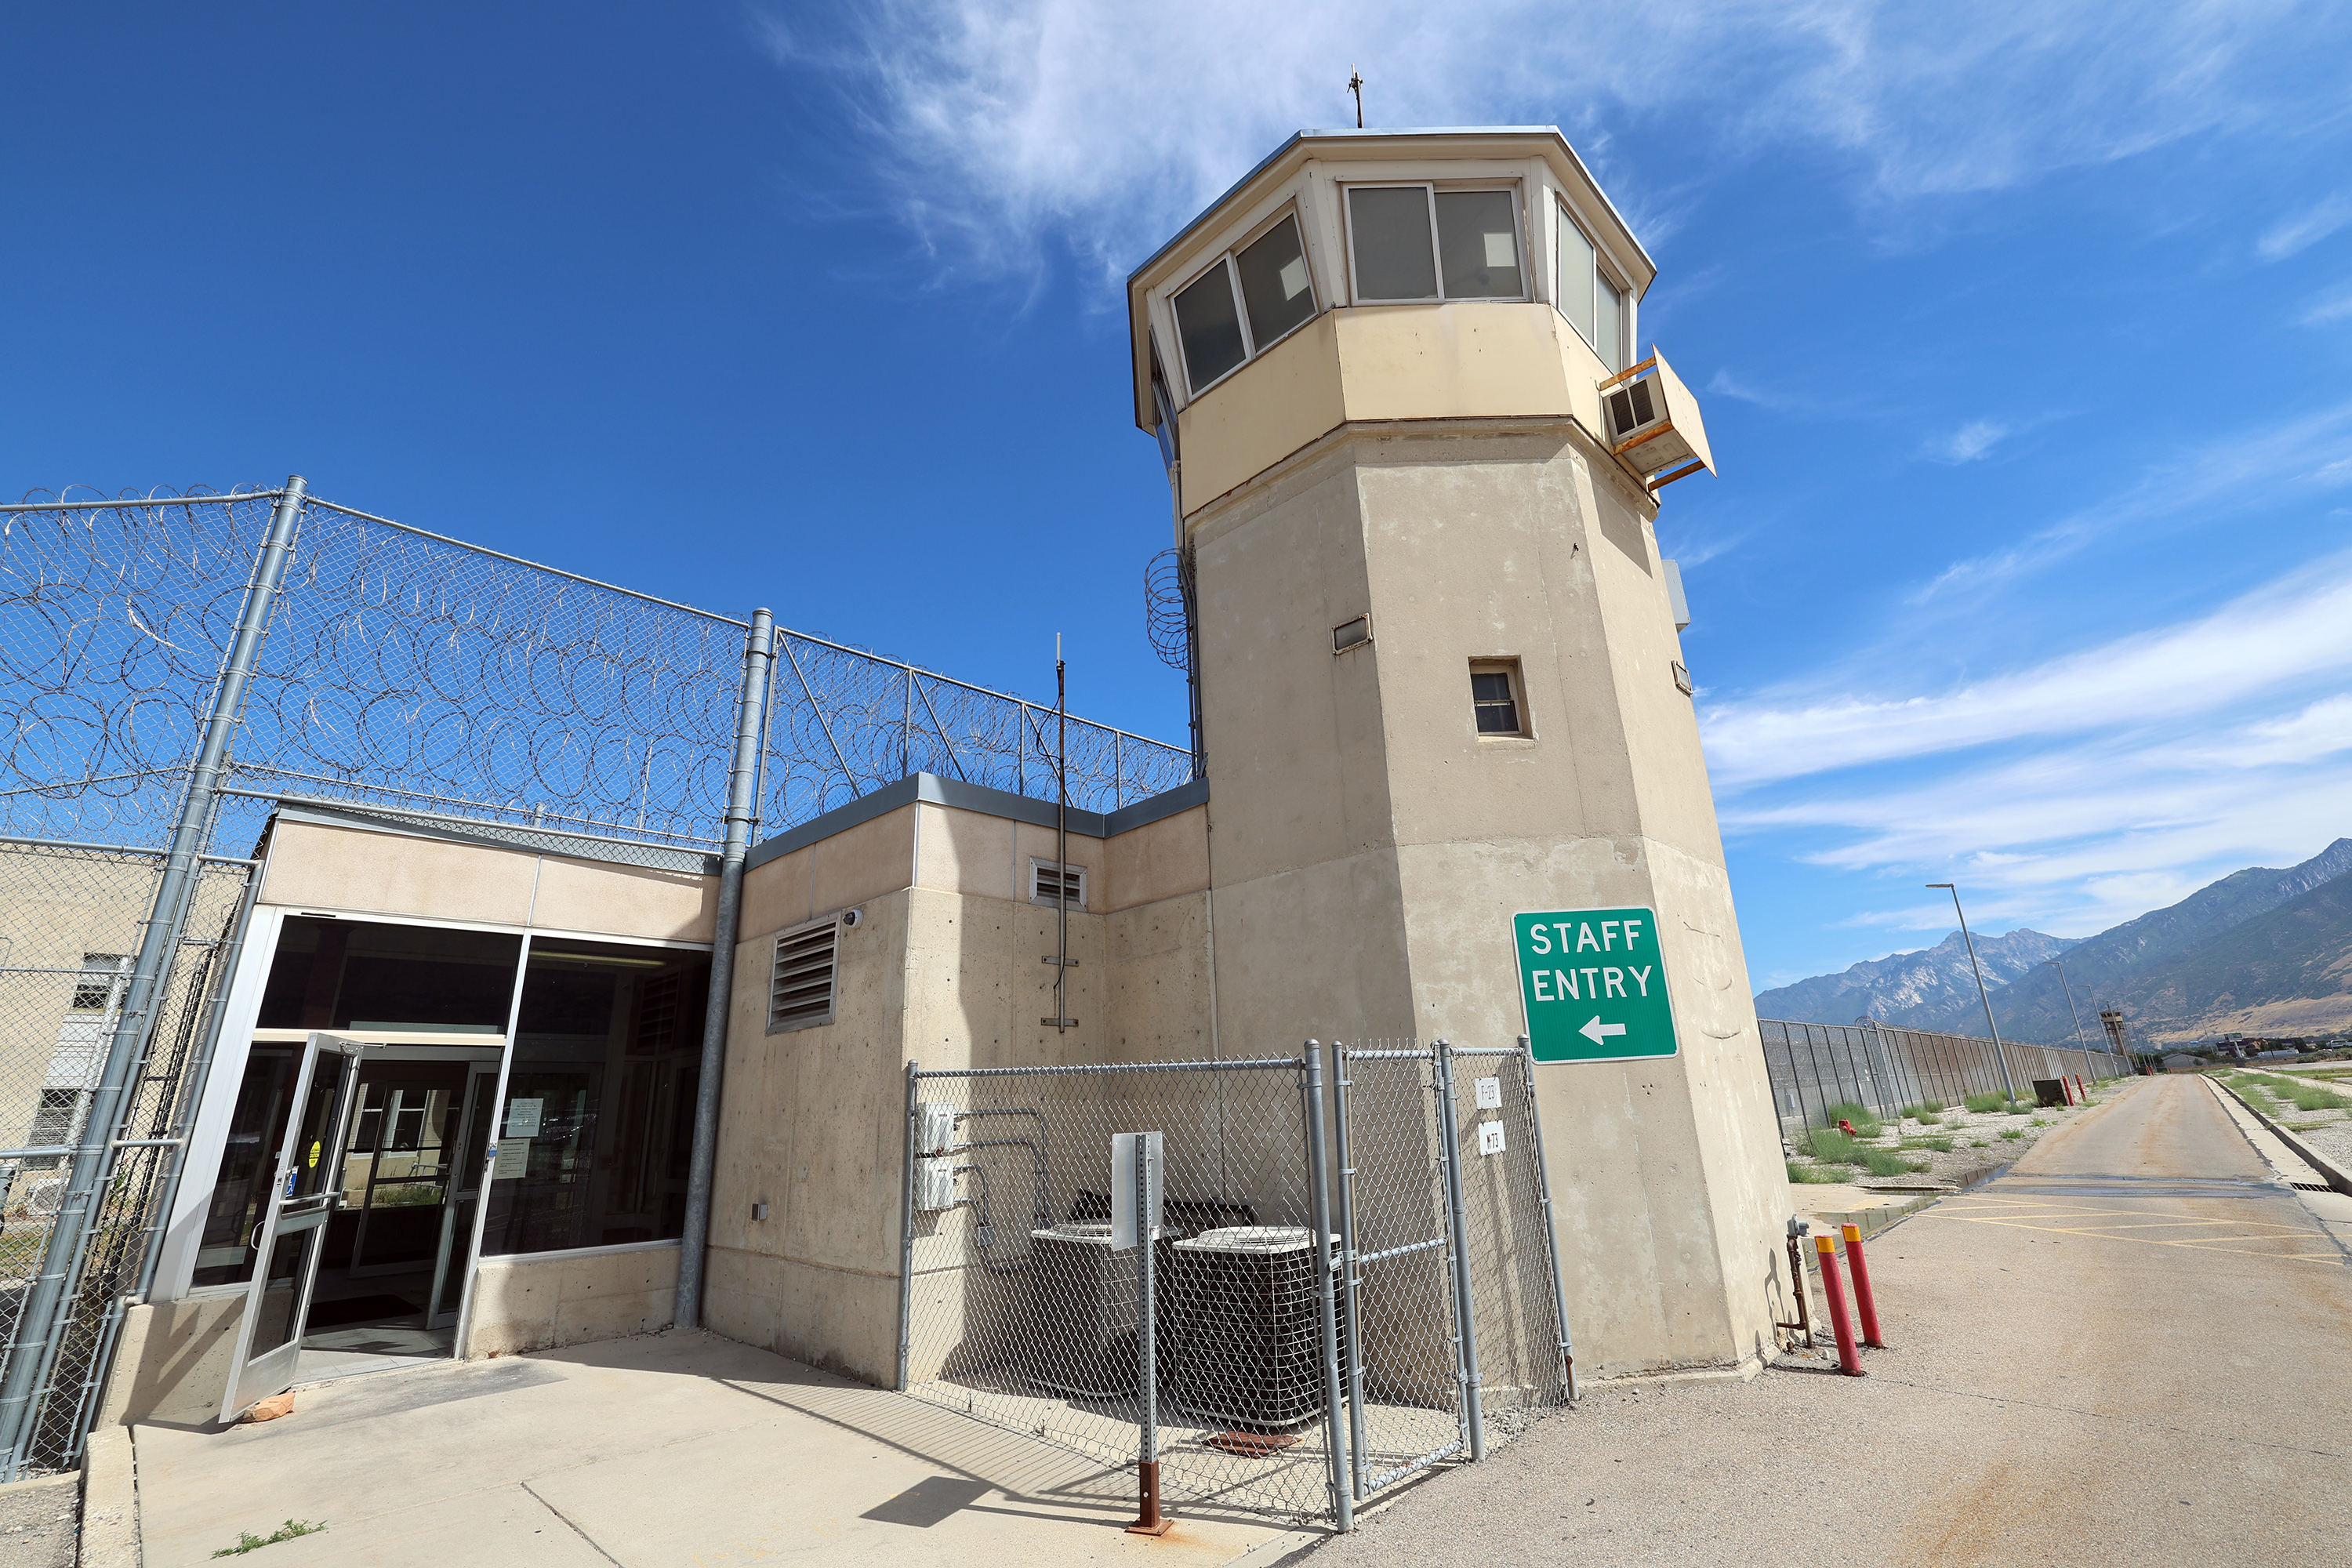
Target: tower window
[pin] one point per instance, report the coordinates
(1593, 305)
(1412, 243)
(95, 993)
(1496, 698)
(1248, 300)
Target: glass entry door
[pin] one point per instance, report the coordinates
(466, 1168)
(303, 1197)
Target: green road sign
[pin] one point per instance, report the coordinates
(1594, 985)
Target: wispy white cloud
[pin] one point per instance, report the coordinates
(2284, 633)
(1967, 444)
(1004, 123)
(2305, 230)
(2335, 306)
(2229, 469)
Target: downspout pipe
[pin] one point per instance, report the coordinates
(49, 1303)
(751, 730)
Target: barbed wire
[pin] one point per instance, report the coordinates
(409, 669)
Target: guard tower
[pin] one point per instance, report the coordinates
(1415, 460)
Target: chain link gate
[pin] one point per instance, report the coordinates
(1018, 1307)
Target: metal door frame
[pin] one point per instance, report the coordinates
(484, 1076)
(319, 1207)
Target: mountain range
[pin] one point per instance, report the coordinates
(2261, 952)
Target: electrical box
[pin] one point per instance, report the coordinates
(934, 1126)
(935, 1186)
(1654, 423)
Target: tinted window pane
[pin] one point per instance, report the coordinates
(340, 975)
(598, 1122)
(249, 1163)
(1576, 273)
(1609, 323)
(1274, 284)
(1478, 240)
(1392, 243)
(1209, 326)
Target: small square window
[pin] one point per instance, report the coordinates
(1351, 634)
(1496, 698)
(1274, 284)
(95, 993)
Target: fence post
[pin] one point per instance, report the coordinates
(751, 730)
(1473, 1405)
(906, 1233)
(50, 1301)
(1149, 1521)
(1349, 1302)
(1319, 1210)
(1551, 1230)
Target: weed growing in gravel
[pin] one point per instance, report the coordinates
(1979, 1143)
(1828, 1145)
(1940, 1145)
(1983, 1104)
(1879, 1162)
(1811, 1175)
(2009, 1133)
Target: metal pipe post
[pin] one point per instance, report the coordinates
(2008, 1084)
(906, 1232)
(1849, 1357)
(1318, 1211)
(1351, 1303)
(1465, 1314)
(1149, 1519)
(750, 731)
(1864, 1302)
(1551, 1223)
(50, 1303)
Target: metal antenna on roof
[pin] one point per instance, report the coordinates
(1060, 959)
(1356, 86)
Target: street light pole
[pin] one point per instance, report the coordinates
(2008, 1084)
(2080, 1044)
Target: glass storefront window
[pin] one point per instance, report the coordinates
(360, 975)
(598, 1123)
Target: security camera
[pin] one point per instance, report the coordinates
(852, 917)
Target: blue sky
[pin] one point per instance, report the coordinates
(2023, 333)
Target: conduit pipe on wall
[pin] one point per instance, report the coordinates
(750, 731)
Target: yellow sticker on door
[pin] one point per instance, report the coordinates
(314, 1156)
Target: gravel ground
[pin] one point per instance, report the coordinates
(1978, 1139)
(39, 1524)
(2329, 1133)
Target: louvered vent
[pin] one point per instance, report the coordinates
(1629, 408)
(1043, 874)
(800, 987)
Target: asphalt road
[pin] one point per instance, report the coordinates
(2134, 1348)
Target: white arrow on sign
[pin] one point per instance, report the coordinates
(1596, 1031)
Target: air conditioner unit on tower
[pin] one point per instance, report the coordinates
(1654, 423)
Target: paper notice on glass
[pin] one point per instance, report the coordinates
(522, 1118)
(514, 1159)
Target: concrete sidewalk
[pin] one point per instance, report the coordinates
(2133, 1349)
(678, 1449)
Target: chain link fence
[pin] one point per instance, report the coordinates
(387, 667)
(1023, 1310)
(1817, 1067)
(70, 919)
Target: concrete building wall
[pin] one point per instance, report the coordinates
(944, 968)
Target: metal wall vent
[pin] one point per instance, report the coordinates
(800, 986)
(1042, 875)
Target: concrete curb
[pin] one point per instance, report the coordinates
(2329, 1174)
(110, 1500)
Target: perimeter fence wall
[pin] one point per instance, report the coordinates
(1292, 1375)
(1815, 1068)
(381, 664)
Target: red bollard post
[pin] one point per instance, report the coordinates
(1863, 1302)
(1849, 1358)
